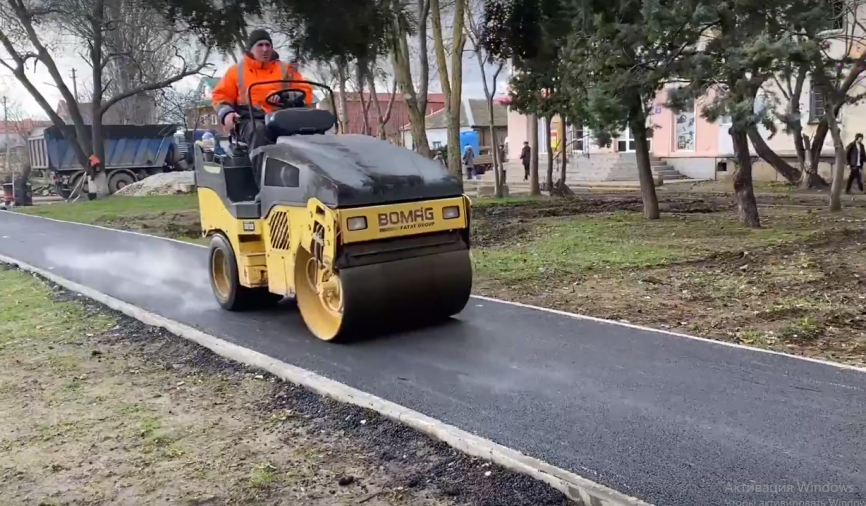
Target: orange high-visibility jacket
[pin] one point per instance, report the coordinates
(230, 95)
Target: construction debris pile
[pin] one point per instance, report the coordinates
(166, 183)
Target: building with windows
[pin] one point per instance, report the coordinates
(473, 117)
(686, 144)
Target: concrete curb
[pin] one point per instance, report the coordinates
(576, 488)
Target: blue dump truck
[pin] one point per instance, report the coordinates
(132, 152)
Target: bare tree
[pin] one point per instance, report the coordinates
(358, 85)
(414, 94)
(382, 118)
(453, 88)
(474, 33)
(141, 43)
(334, 75)
(833, 75)
(846, 62)
(90, 25)
(180, 106)
(20, 129)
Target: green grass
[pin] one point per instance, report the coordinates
(28, 311)
(577, 244)
(264, 475)
(112, 208)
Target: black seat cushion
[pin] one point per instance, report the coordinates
(300, 121)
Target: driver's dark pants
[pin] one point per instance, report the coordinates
(255, 134)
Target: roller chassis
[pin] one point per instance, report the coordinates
(302, 237)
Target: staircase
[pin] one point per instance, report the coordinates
(661, 168)
(605, 170)
(625, 169)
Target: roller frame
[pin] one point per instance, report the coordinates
(415, 270)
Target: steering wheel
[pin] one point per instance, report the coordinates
(292, 97)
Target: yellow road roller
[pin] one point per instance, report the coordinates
(358, 231)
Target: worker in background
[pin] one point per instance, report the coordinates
(856, 154)
(469, 161)
(260, 64)
(525, 156)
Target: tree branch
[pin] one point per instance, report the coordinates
(154, 86)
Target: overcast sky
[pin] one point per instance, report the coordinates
(17, 94)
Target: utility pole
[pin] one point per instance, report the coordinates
(75, 86)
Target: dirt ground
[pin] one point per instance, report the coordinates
(96, 408)
(183, 225)
(795, 286)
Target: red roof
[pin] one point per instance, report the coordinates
(25, 125)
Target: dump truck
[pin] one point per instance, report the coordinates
(132, 152)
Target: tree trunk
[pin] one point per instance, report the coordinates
(533, 163)
(452, 88)
(839, 167)
(381, 118)
(344, 108)
(415, 103)
(365, 106)
(637, 124)
(549, 142)
(799, 143)
(768, 155)
(563, 168)
(745, 193)
(499, 177)
(99, 179)
(811, 178)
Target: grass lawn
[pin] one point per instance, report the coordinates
(99, 409)
(174, 216)
(796, 284)
(102, 210)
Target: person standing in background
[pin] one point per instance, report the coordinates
(856, 155)
(469, 161)
(525, 157)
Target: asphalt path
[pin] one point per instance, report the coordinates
(667, 419)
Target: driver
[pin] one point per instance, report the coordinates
(260, 64)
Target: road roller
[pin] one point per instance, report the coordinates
(359, 232)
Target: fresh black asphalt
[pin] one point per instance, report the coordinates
(670, 420)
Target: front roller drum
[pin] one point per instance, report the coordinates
(355, 300)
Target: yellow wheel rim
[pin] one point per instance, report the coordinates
(220, 271)
(319, 295)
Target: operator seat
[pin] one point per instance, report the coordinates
(300, 121)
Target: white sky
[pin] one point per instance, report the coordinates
(17, 94)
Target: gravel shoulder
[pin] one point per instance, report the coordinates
(97, 408)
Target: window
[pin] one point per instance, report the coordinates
(838, 13)
(282, 174)
(543, 134)
(576, 138)
(437, 144)
(685, 128)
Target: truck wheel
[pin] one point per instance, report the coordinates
(84, 186)
(118, 180)
(63, 192)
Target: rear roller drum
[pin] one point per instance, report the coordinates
(225, 281)
(404, 292)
